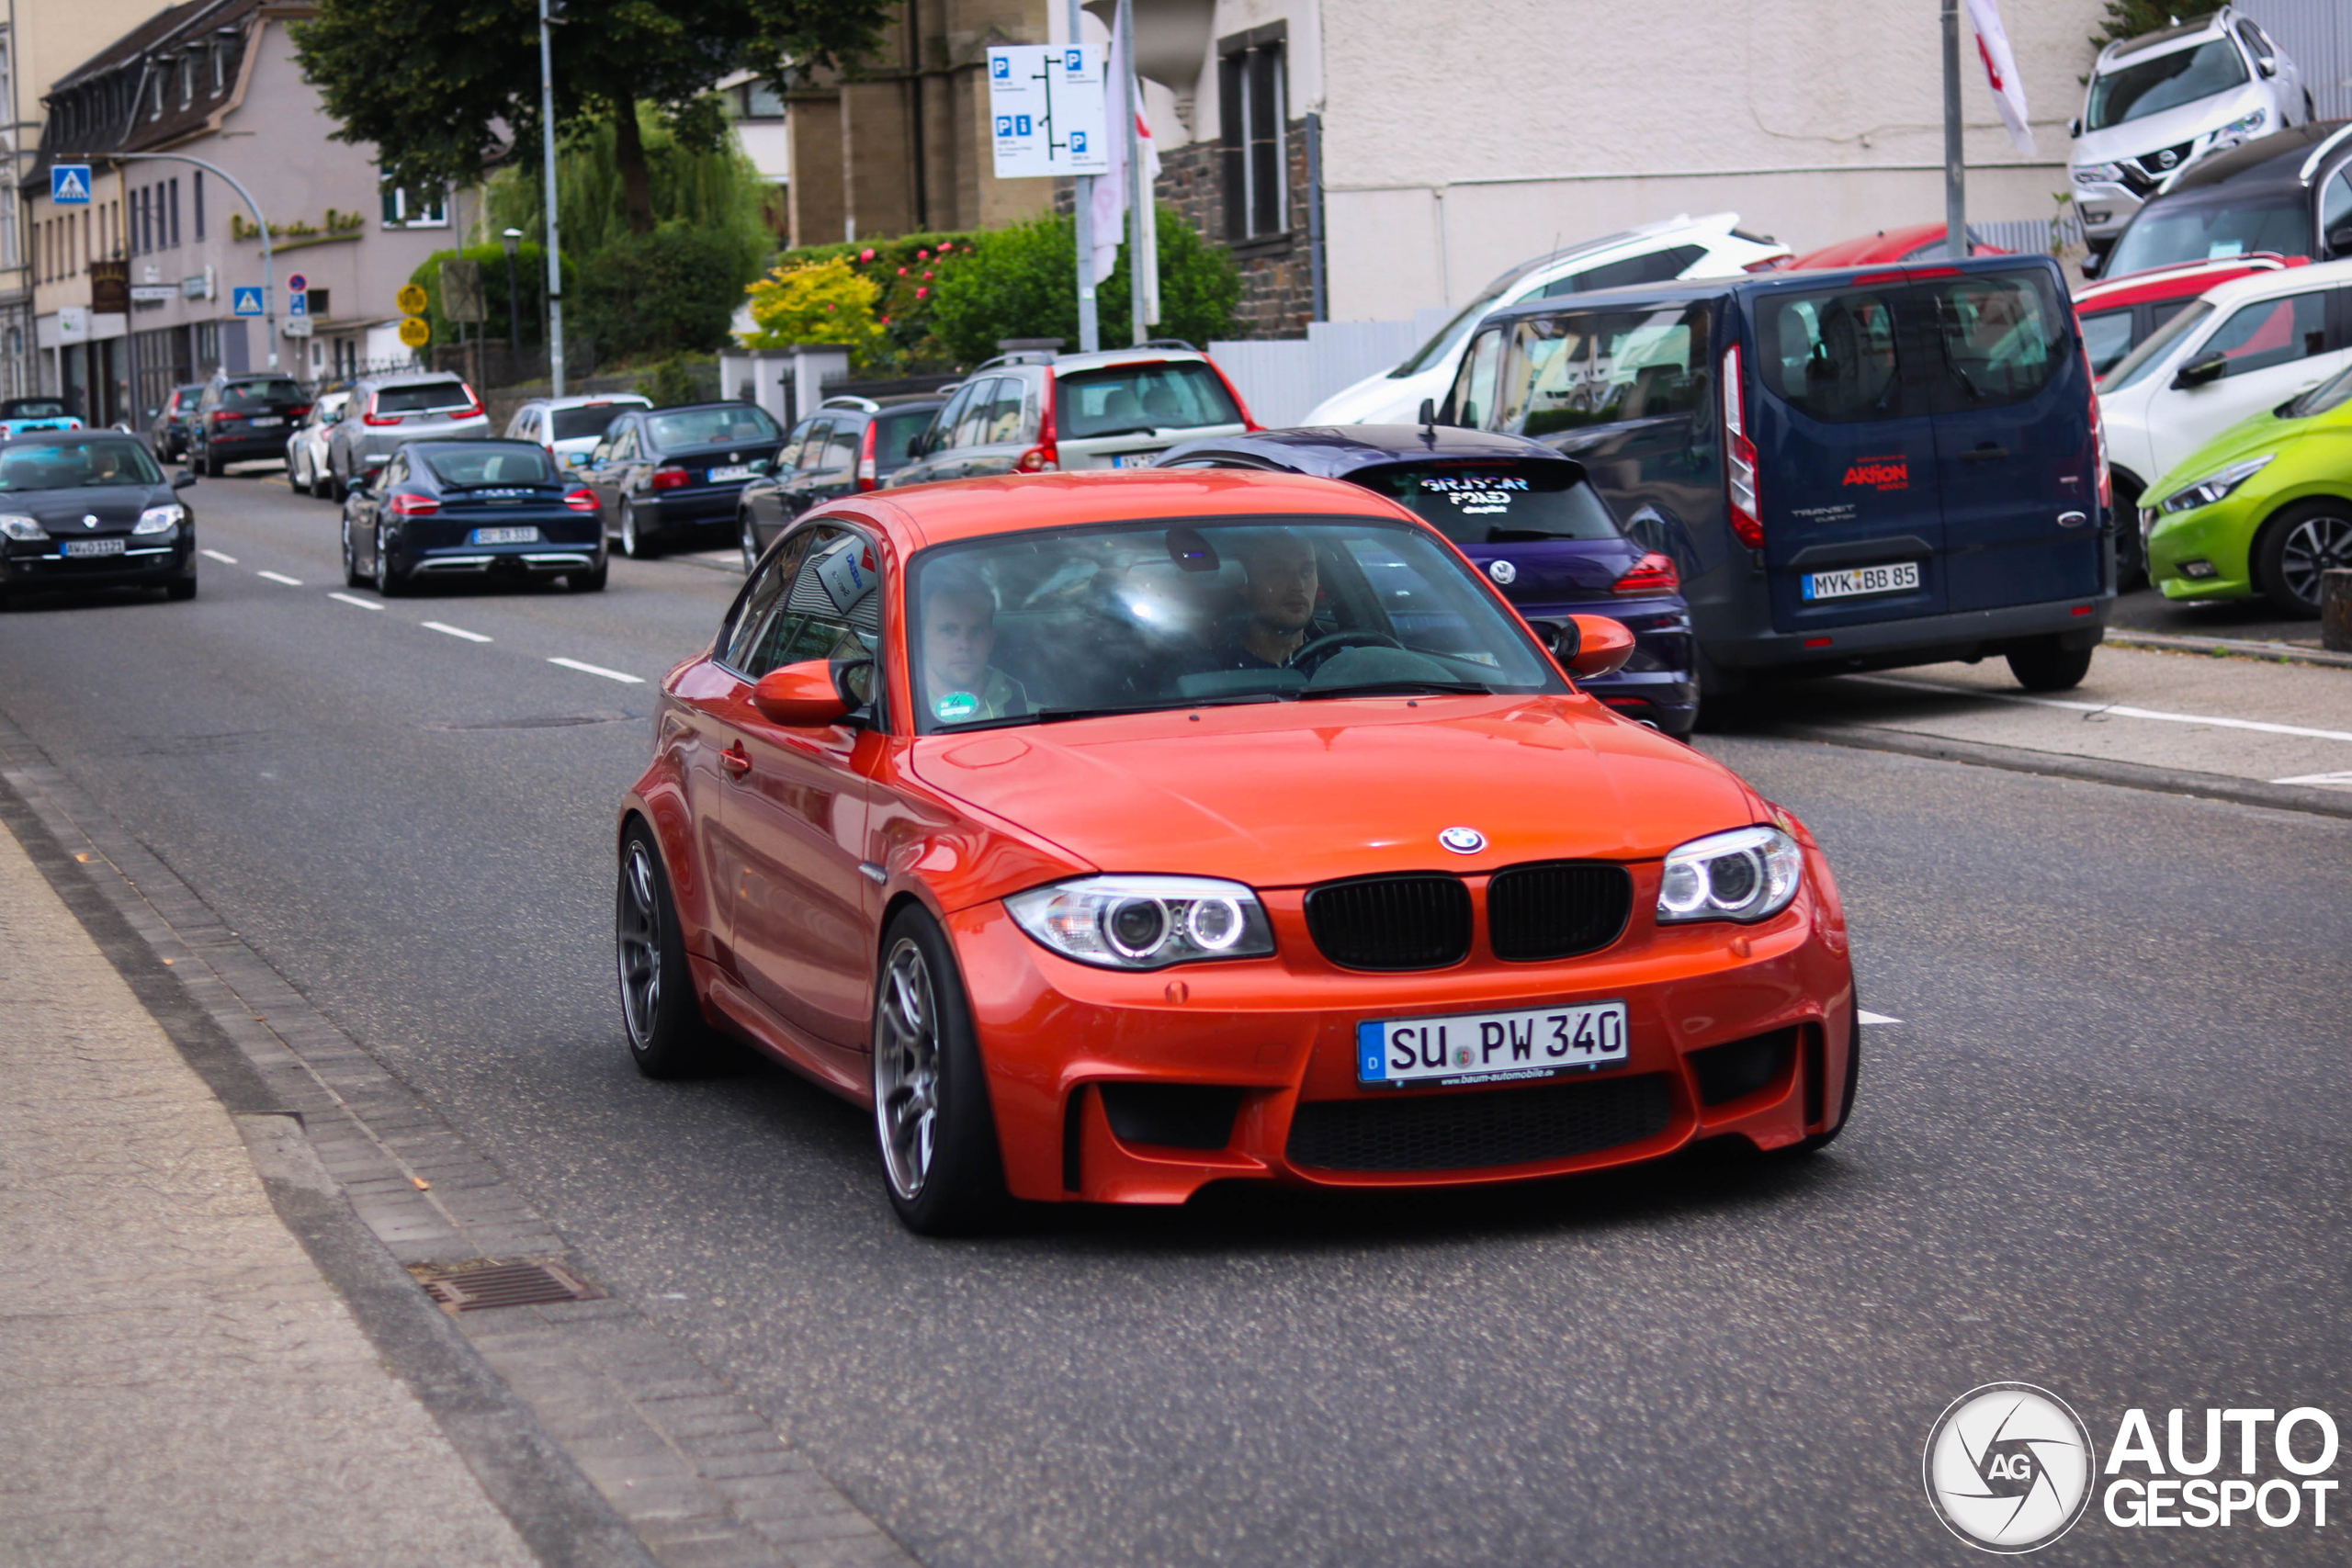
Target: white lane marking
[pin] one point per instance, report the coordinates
(216, 554)
(455, 631)
(1870, 1017)
(598, 669)
(355, 599)
(2116, 710)
(281, 577)
(2317, 779)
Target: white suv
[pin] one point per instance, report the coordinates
(2159, 102)
(1681, 247)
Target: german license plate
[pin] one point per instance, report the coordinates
(1898, 577)
(505, 535)
(262, 422)
(730, 471)
(1476, 1047)
(93, 547)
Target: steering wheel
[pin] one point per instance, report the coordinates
(1336, 641)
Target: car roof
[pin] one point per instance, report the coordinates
(1020, 503)
(589, 400)
(417, 379)
(2180, 35)
(1334, 451)
(2172, 282)
(1678, 290)
(459, 443)
(1064, 363)
(2286, 280)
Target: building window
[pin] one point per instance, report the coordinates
(187, 80)
(755, 100)
(176, 212)
(403, 209)
(1252, 110)
(197, 196)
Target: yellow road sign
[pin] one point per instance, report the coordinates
(415, 331)
(412, 300)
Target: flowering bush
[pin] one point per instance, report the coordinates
(818, 301)
(902, 272)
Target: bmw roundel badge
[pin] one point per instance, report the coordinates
(1463, 840)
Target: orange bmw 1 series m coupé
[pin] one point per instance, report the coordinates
(1111, 835)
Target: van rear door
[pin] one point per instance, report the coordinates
(1845, 456)
(2015, 455)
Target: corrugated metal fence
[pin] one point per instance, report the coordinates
(2317, 36)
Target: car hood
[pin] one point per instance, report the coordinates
(1286, 794)
(2250, 437)
(2168, 127)
(1385, 399)
(115, 507)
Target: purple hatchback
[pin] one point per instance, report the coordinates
(1525, 515)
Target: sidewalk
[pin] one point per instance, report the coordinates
(178, 1384)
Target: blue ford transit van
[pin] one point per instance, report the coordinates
(1852, 470)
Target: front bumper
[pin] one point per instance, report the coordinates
(29, 567)
(2221, 535)
(2105, 208)
(1080, 1059)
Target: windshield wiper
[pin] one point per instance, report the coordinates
(1062, 716)
(1106, 435)
(1385, 688)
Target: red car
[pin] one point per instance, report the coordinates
(1889, 247)
(1112, 834)
(2117, 313)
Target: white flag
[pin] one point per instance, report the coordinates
(1110, 209)
(2001, 70)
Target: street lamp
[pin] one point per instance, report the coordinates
(512, 238)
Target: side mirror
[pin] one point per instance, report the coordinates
(1593, 645)
(800, 696)
(2265, 64)
(2203, 368)
(184, 479)
(2092, 263)
(2339, 239)
(915, 447)
(2073, 128)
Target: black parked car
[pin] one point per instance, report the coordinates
(90, 509)
(169, 429)
(1527, 517)
(240, 418)
(2289, 194)
(848, 444)
(661, 472)
(471, 509)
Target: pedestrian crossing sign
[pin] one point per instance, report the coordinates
(69, 184)
(245, 301)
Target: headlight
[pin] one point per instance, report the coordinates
(2098, 174)
(161, 519)
(19, 528)
(2242, 127)
(1745, 874)
(1144, 923)
(2213, 486)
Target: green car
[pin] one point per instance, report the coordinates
(2262, 508)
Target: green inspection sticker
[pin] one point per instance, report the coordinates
(955, 706)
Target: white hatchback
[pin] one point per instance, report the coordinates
(2246, 345)
(569, 427)
(1681, 247)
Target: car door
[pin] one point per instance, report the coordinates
(1845, 456)
(998, 438)
(798, 494)
(614, 473)
(2266, 352)
(2017, 467)
(795, 819)
(932, 448)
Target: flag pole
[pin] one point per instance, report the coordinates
(1090, 332)
(1955, 182)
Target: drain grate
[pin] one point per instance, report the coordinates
(471, 1287)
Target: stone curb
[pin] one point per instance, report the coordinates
(2093, 770)
(2224, 646)
(599, 1437)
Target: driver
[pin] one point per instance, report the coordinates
(1278, 583)
(958, 626)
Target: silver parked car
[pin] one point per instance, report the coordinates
(386, 413)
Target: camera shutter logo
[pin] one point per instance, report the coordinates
(2008, 1467)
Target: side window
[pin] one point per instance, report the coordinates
(2270, 332)
(396, 472)
(1995, 338)
(831, 610)
(2107, 337)
(812, 448)
(1474, 394)
(753, 619)
(2336, 210)
(943, 426)
(841, 451)
(975, 417)
(1832, 356)
(1602, 366)
(623, 441)
(787, 457)
(1659, 266)
(1004, 413)
(2255, 43)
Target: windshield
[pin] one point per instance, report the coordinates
(2165, 236)
(75, 465)
(491, 463)
(424, 398)
(2152, 86)
(2327, 395)
(2155, 347)
(573, 425)
(712, 426)
(1493, 503)
(1124, 400)
(1025, 628)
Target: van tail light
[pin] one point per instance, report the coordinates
(2098, 442)
(671, 479)
(473, 409)
(1650, 576)
(581, 500)
(415, 506)
(869, 472)
(1739, 456)
(372, 417)
(1044, 458)
(300, 411)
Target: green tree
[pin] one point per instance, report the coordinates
(824, 302)
(1023, 282)
(671, 291)
(715, 188)
(442, 90)
(2130, 18)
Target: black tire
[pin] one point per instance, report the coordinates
(181, 588)
(668, 1036)
(352, 576)
(213, 468)
(750, 540)
(389, 583)
(2295, 547)
(321, 485)
(589, 582)
(2131, 550)
(934, 1131)
(2046, 666)
(636, 541)
(1817, 1142)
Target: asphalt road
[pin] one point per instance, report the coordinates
(2102, 1151)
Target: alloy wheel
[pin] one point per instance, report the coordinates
(383, 566)
(2313, 545)
(750, 543)
(907, 1058)
(632, 545)
(639, 945)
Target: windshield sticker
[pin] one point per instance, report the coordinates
(1881, 473)
(1475, 495)
(955, 706)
